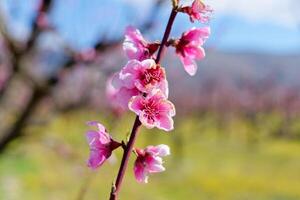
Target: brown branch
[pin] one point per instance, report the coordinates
(16, 53)
(117, 186)
(13, 50)
(16, 129)
(43, 10)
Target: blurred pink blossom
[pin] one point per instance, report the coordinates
(149, 161)
(189, 48)
(154, 110)
(43, 21)
(118, 95)
(198, 11)
(112, 97)
(101, 145)
(86, 55)
(136, 47)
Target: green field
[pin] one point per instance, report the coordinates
(235, 161)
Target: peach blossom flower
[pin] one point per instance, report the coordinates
(101, 145)
(154, 110)
(118, 98)
(149, 161)
(198, 11)
(189, 48)
(145, 76)
(136, 47)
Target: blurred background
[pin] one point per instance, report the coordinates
(237, 128)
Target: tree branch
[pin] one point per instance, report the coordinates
(52, 81)
(17, 54)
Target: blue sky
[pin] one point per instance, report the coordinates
(269, 26)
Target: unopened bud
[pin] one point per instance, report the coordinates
(175, 3)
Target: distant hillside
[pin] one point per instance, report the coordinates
(235, 80)
(240, 66)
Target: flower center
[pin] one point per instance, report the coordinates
(152, 75)
(151, 111)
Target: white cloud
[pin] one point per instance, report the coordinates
(282, 12)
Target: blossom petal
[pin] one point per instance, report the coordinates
(136, 104)
(165, 122)
(194, 52)
(189, 65)
(140, 172)
(164, 87)
(159, 150)
(134, 44)
(148, 63)
(124, 95)
(156, 96)
(133, 34)
(146, 121)
(129, 73)
(156, 168)
(92, 137)
(167, 107)
(195, 34)
(97, 124)
(96, 159)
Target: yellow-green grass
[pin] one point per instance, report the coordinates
(208, 161)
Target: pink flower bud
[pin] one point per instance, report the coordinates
(189, 48)
(136, 47)
(101, 145)
(154, 110)
(149, 161)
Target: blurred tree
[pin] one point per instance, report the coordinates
(41, 86)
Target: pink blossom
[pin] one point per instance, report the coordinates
(198, 11)
(101, 145)
(149, 161)
(145, 76)
(118, 98)
(189, 48)
(111, 94)
(136, 47)
(154, 110)
(134, 79)
(118, 94)
(124, 95)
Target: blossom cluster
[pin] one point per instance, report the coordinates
(141, 86)
(102, 145)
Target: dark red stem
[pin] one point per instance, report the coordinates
(166, 35)
(127, 151)
(129, 147)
